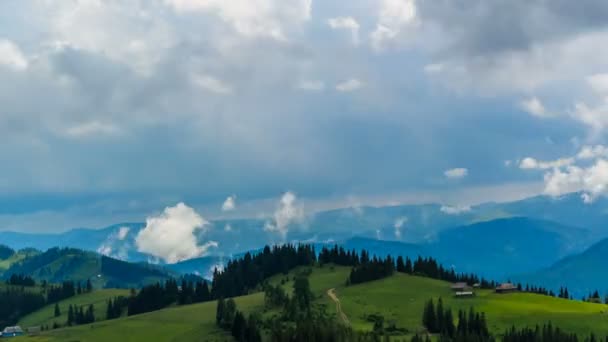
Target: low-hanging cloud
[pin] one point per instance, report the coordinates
(287, 212)
(229, 204)
(115, 245)
(456, 173)
(455, 210)
(398, 225)
(586, 172)
(171, 236)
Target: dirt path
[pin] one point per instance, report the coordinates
(332, 294)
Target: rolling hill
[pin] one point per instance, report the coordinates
(97, 298)
(59, 264)
(399, 299)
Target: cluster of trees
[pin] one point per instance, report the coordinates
(193, 292)
(539, 290)
(594, 297)
(247, 273)
(116, 306)
(18, 302)
(229, 318)
(57, 293)
(21, 280)
(157, 296)
(77, 315)
(274, 296)
(545, 333)
(563, 293)
(439, 320)
(368, 270)
(431, 268)
(6, 252)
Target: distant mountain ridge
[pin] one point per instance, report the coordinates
(59, 264)
(415, 224)
(581, 273)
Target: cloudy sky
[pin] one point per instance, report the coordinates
(112, 109)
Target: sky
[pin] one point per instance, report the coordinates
(112, 110)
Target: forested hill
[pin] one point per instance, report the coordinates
(59, 264)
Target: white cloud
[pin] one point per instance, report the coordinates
(592, 181)
(398, 225)
(454, 210)
(508, 163)
(12, 56)
(433, 68)
(91, 129)
(229, 204)
(115, 245)
(592, 152)
(594, 115)
(286, 213)
(132, 33)
(346, 23)
(212, 84)
(349, 85)
(171, 235)
(599, 83)
(122, 233)
(531, 163)
(535, 107)
(252, 18)
(311, 85)
(456, 173)
(566, 177)
(394, 15)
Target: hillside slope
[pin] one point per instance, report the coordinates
(59, 264)
(580, 273)
(398, 299)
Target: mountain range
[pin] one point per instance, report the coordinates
(498, 240)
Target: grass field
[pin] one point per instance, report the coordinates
(15, 258)
(399, 298)
(46, 315)
(185, 323)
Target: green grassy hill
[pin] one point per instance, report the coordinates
(399, 298)
(46, 315)
(58, 264)
(16, 257)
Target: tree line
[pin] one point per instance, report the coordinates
(21, 280)
(18, 302)
(78, 315)
(547, 332)
(471, 326)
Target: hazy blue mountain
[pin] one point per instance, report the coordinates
(495, 249)
(416, 224)
(580, 273)
(499, 248)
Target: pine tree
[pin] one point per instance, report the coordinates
(70, 315)
(239, 327)
(400, 265)
(219, 312)
(408, 266)
(440, 325)
(57, 310)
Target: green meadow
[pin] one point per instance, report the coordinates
(46, 315)
(399, 299)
